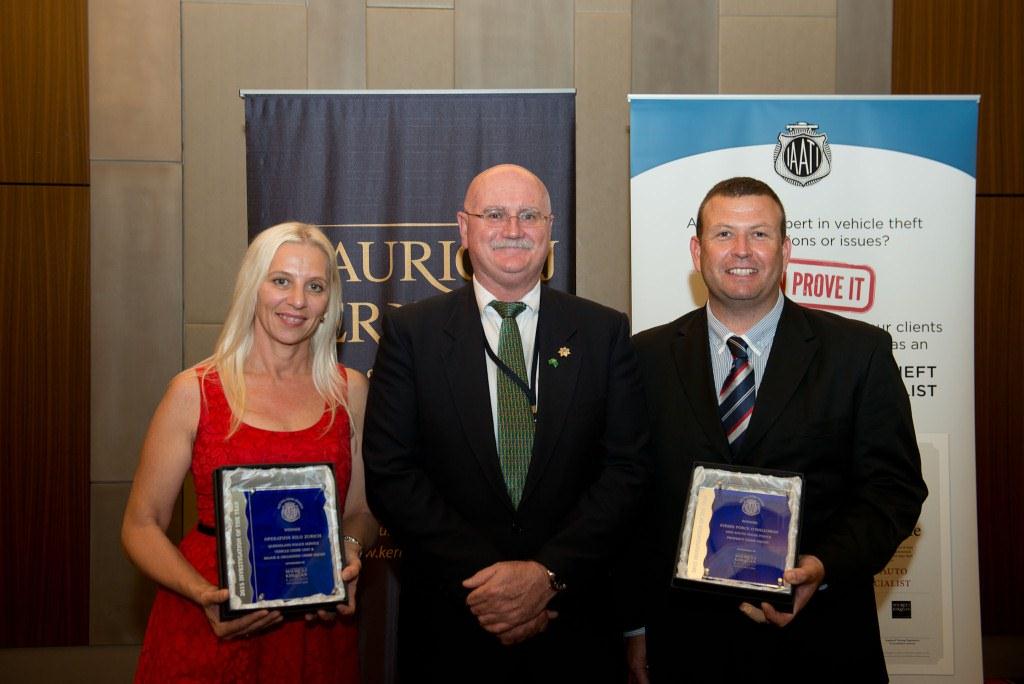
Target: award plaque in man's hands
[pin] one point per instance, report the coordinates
(740, 531)
(278, 537)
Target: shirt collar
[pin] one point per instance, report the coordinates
(483, 297)
(758, 337)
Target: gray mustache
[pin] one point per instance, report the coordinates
(521, 243)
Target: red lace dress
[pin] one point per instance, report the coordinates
(179, 644)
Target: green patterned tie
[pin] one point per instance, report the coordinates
(515, 420)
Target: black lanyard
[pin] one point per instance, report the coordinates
(529, 390)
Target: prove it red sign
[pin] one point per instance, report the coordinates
(830, 285)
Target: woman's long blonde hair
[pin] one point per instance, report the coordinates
(235, 341)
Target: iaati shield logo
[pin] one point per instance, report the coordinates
(802, 155)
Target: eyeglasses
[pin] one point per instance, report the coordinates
(500, 217)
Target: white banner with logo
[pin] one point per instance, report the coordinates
(879, 195)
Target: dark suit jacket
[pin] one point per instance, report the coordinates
(832, 406)
(433, 476)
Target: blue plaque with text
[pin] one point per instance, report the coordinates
(289, 544)
(278, 531)
(748, 537)
(740, 533)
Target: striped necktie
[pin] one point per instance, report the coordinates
(515, 420)
(736, 400)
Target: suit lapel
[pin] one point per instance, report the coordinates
(793, 347)
(692, 355)
(466, 371)
(556, 328)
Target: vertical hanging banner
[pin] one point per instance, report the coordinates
(383, 173)
(879, 195)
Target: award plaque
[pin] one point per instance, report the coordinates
(278, 537)
(740, 531)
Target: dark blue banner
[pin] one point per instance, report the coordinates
(384, 175)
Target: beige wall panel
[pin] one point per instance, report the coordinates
(777, 55)
(524, 44)
(429, 4)
(134, 80)
(336, 30)
(778, 8)
(135, 303)
(226, 48)
(602, 157)
(90, 665)
(199, 341)
(603, 6)
(245, 2)
(864, 46)
(675, 46)
(409, 48)
(119, 595)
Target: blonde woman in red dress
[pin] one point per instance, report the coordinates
(272, 392)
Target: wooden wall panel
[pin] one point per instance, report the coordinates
(999, 375)
(44, 415)
(964, 46)
(44, 324)
(44, 131)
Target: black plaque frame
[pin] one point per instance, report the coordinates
(742, 479)
(287, 475)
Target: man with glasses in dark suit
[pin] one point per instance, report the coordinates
(504, 449)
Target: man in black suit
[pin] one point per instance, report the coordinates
(828, 403)
(507, 471)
